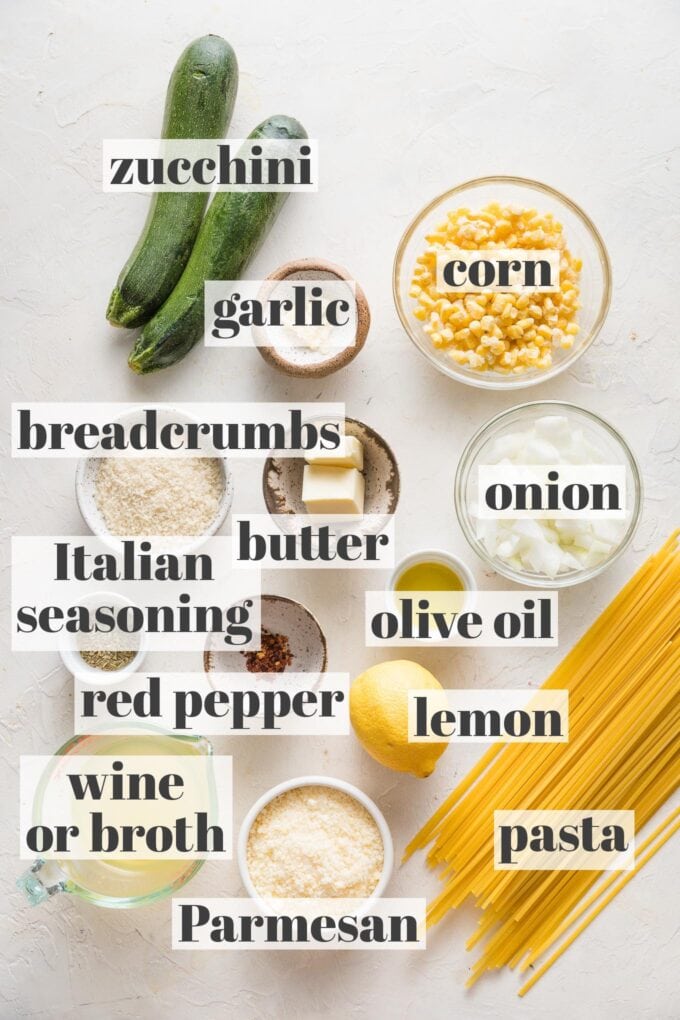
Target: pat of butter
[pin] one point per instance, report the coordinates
(349, 454)
(332, 490)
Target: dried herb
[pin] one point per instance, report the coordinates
(107, 660)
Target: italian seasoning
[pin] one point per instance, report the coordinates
(107, 660)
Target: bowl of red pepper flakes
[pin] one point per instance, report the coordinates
(291, 641)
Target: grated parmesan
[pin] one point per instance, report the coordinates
(158, 496)
(315, 841)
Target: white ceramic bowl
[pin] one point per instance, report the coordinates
(86, 475)
(73, 660)
(294, 784)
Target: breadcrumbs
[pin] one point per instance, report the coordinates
(159, 496)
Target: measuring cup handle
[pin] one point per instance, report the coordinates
(38, 887)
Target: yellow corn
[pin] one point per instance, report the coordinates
(505, 332)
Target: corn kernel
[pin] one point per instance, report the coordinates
(503, 332)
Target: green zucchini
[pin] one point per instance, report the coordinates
(199, 104)
(232, 231)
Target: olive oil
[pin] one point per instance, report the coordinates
(429, 576)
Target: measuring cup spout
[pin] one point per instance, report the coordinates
(38, 885)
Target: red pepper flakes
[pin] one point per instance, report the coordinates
(273, 656)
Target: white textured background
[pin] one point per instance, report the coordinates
(407, 100)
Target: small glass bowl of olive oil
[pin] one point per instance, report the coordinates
(434, 571)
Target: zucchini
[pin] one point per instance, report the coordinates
(232, 231)
(199, 104)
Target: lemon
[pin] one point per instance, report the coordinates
(378, 706)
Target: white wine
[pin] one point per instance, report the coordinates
(115, 878)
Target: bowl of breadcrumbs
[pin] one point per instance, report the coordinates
(125, 496)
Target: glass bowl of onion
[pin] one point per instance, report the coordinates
(538, 439)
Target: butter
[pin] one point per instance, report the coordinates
(332, 490)
(349, 454)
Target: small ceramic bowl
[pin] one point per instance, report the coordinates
(73, 660)
(282, 477)
(86, 476)
(278, 615)
(294, 784)
(307, 364)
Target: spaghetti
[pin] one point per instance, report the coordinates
(623, 678)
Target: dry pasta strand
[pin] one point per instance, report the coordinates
(623, 678)
(669, 831)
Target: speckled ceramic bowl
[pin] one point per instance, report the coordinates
(278, 615)
(282, 477)
(317, 367)
(86, 479)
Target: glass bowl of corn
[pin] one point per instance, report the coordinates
(492, 338)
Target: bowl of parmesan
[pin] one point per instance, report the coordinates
(315, 840)
(132, 496)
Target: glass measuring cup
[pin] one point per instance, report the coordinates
(114, 883)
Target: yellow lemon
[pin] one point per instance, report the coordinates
(378, 705)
